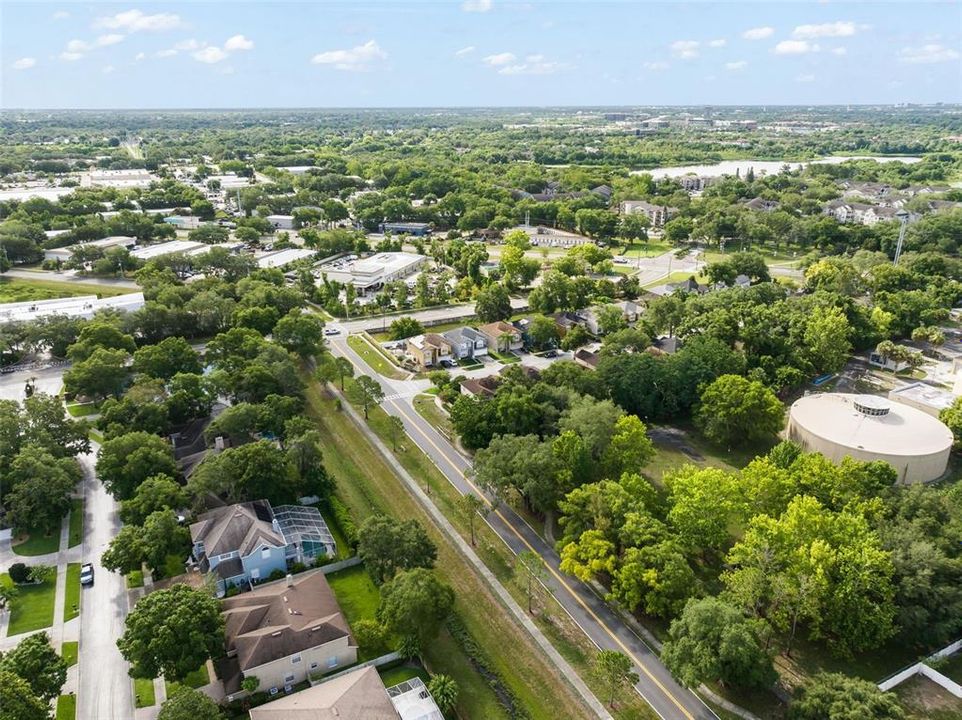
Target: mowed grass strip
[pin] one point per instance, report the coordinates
(71, 606)
(70, 652)
(144, 692)
(67, 707)
(374, 358)
(368, 486)
(76, 522)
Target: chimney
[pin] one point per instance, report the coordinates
(290, 580)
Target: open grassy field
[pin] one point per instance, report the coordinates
(375, 358)
(76, 522)
(370, 486)
(71, 607)
(32, 608)
(22, 290)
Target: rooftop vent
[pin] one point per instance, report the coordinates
(872, 405)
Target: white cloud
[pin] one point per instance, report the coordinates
(532, 65)
(805, 78)
(77, 48)
(238, 42)
(928, 54)
(355, 59)
(140, 56)
(655, 65)
(107, 69)
(839, 51)
(685, 49)
(758, 33)
(504, 58)
(70, 56)
(476, 6)
(190, 44)
(60, 15)
(110, 39)
(137, 21)
(720, 42)
(795, 47)
(169, 52)
(833, 29)
(210, 55)
(737, 65)
(24, 63)
(465, 51)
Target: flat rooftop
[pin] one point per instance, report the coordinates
(284, 257)
(82, 306)
(174, 246)
(924, 395)
(903, 430)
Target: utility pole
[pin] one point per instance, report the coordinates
(904, 220)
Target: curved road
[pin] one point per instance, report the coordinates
(600, 623)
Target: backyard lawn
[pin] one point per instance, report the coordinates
(71, 606)
(76, 522)
(399, 673)
(375, 358)
(67, 707)
(358, 597)
(37, 543)
(32, 608)
(69, 652)
(143, 692)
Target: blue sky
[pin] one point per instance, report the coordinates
(476, 53)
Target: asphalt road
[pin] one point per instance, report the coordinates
(667, 697)
(105, 690)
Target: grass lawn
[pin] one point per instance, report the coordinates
(82, 409)
(506, 358)
(399, 673)
(676, 277)
(143, 692)
(646, 250)
(922, 699)
(367, 485)
(71, 607)
(196, 679)
(96, 436)
(38, 544)
(343, 546)
(76, 522)
(135, 579)
(173, 566)
(375, 358)
(67, 707)
(70, 651)
(21, 290)
(428, 409)
(32, 608)
(358, 597)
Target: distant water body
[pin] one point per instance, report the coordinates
(761, 167)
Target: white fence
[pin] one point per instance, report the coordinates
(920, 668)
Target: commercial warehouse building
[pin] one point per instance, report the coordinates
(371, 274)
(83, 306)
(65, 253)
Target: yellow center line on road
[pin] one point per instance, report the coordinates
(556, 575)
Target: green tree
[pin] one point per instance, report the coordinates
(543, 332)
(301, 333)
(530, 572)
(614, 671)
(414, 604)
(170, 356)
(189, 704)
(17, 701)
(444, 690)
(952, 417)
(405, 327)
(124, 462)
(387, 546)
(163, 536)
(335, 369)
(715, 641)
(100, 375)
(827, 333)
(833, 696)
(492, 304)
(126, 551)
(629, 449)
(157, 492)
(395, 428)
(246, 472)
(35, 660)
(42, 486)
(610, 319)
(172, 632)
(738, 411)
(367, 393)
(704, 502)
(100, 335)
(471, 506)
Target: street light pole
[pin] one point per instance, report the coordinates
(904, 220)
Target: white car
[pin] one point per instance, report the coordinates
(87, 574)
(332, 331)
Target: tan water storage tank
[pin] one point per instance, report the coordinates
(868, 427)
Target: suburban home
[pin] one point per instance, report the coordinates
(242, 544)
(466, 342)
(657, 215)
(687, 286)
(502, 336)
(762, 205)
(565, 321)
(665, 346)
(846, 212)
(355, 695)
(742, 281)
(480, 387)
(587, 358)
(283, 632)
(429, 350)
(629, 312)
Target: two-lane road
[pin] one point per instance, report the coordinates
(604, 627)
(105, 690)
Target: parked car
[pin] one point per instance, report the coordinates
(87, 574)
(332, 331)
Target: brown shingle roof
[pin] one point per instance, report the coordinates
(357, 695)
(241, 528)
(277, 620)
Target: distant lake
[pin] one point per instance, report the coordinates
(761, 167)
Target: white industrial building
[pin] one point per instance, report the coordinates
(869, 427)
(372, 273)
(281, 222)
(65, 253)
(131, 178)
(83, 306)
(284, 257)
(930, 400)
(149, 252)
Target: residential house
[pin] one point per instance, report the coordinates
(283, 632)
(502, 336)
(587, 358)
(862, 213)
(762, 205)
(629, 312)
(604, 191)
(944, 205)
(480, 387)
(565, 321)
(742, 281)
(359, 694)
(243, 544)
(687, 286)
(868, 190)
(665, 346)
(429, 350)
(466, 342)
(657, 215)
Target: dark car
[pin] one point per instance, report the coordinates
(87, 574)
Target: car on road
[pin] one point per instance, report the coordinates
(550, 354)
(87, 574)
(332, 331)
